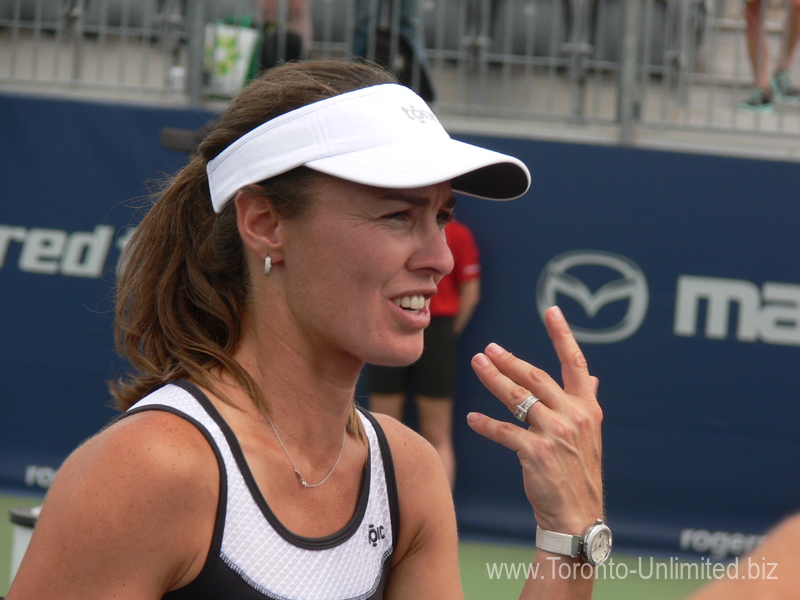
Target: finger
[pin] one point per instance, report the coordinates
(502, 432)
(524, 410)
(512, 379)
(574, 369)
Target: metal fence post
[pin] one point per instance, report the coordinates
(196, 30)
(283, 20)
(578, 48)
(73, 17)
(626, 98)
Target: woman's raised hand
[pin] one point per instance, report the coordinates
(560, 451)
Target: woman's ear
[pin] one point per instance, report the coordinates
(260, 225)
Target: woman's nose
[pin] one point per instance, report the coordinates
(434, 254)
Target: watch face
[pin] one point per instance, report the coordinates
(600, 545)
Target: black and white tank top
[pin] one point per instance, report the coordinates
(252, 555)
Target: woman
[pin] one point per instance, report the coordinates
(304, 238)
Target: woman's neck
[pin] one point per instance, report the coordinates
(307, 395)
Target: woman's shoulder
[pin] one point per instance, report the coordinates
(148, 465)
(156, 439)
(426, 551)
(409, 449)
(420, 475)
(146, 491)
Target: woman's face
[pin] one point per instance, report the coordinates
(362, 265)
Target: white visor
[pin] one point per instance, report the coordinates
(384, 136)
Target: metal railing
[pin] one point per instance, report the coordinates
(627, 65)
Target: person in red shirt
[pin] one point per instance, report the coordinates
(433, 377)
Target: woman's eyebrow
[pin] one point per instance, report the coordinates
(416, 199)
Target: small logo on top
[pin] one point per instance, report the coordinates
(416, 114)
(375, 534)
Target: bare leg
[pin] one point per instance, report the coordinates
(792, 36)
(757, 48)
(388, 404)
(299, 17)
(436, 426)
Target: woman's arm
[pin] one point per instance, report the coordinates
(129, 516)
(469, 296)
(560, 453)
(560, 450)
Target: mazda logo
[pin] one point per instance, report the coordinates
(630, 286)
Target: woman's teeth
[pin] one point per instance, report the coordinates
(413, 303)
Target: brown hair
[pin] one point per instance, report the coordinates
(183, 282)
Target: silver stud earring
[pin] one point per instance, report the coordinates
(267, 265)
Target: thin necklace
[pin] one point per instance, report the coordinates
(286, 452)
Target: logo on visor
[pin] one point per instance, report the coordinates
(584, 277)
(416, 114)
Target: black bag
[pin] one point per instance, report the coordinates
(269, 55)
(402, 63)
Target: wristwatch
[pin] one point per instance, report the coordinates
(594, 546)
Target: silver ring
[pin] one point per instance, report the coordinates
(523, 407)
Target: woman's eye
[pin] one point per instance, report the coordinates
(445, 217)
(442, 218)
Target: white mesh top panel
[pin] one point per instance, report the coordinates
(275, 565)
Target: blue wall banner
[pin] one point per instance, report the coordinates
(73, 175)
(678, 272)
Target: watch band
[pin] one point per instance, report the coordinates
(558, 543)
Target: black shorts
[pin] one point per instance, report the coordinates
(434, 374)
